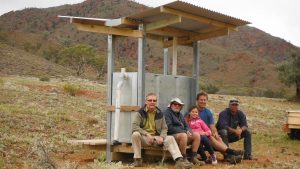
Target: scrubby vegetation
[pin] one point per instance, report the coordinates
(39, 117)
(72, 89)
(289, 72)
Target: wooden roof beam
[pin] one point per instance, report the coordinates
(171, 32)
(109, 30)
(195, 17)
(207, 30)
(212, 34)
(191, 39)
(121, 21)
(155, 37)
(163, 23)
(87, 22)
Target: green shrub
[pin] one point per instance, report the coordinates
(72, 89)
(210, 88)
(3, 37)
(1, 81)
(45, 79)
(271, 94)
(1, 163)
(101, 157)
(267, 93)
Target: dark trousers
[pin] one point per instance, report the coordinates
(205, 145)
(229, 138)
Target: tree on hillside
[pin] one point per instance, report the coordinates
(289, 72)
(98, 63)
(77, 56)
(52, 54)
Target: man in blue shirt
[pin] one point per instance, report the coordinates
(232, 126)
(230, 155)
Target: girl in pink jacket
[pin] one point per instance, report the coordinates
(198, 126)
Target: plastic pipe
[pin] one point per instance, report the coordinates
(123, 77)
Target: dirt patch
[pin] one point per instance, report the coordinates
(44, 88)
(91, 94)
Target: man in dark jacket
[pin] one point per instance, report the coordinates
(149, 128)
(180, 130)
(232, 126)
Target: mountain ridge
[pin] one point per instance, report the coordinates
(38, 31)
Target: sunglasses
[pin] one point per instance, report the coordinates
(234, 104)
(152, 100)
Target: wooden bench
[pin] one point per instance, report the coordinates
(119, 150)
(95, 144)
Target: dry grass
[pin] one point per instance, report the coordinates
(32, 111)
(38, 117)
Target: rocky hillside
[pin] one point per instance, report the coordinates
(245, 59)
(14, 61)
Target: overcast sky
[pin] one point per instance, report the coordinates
(280, 18)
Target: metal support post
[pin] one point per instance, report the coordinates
(174, 61)
(141, 67)
(166, 61)
(196, 64)
(110, 68)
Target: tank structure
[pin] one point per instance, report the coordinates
(173, 24)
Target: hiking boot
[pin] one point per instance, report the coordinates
(214, 160)
(195, 161)
(232, 159)
(238, 152)
(138, 162)
(181, 164)
(247, 157)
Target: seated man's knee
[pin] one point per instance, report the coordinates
(135, 135)
(247, 133)
(181, 136)
(169, 140)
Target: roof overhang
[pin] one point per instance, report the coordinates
(185, 22)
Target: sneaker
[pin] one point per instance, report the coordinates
(185, 160)
(214, 160)
(208, 161)
(138, 162)
(181, 164)
(195, 161)
(232, 159)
